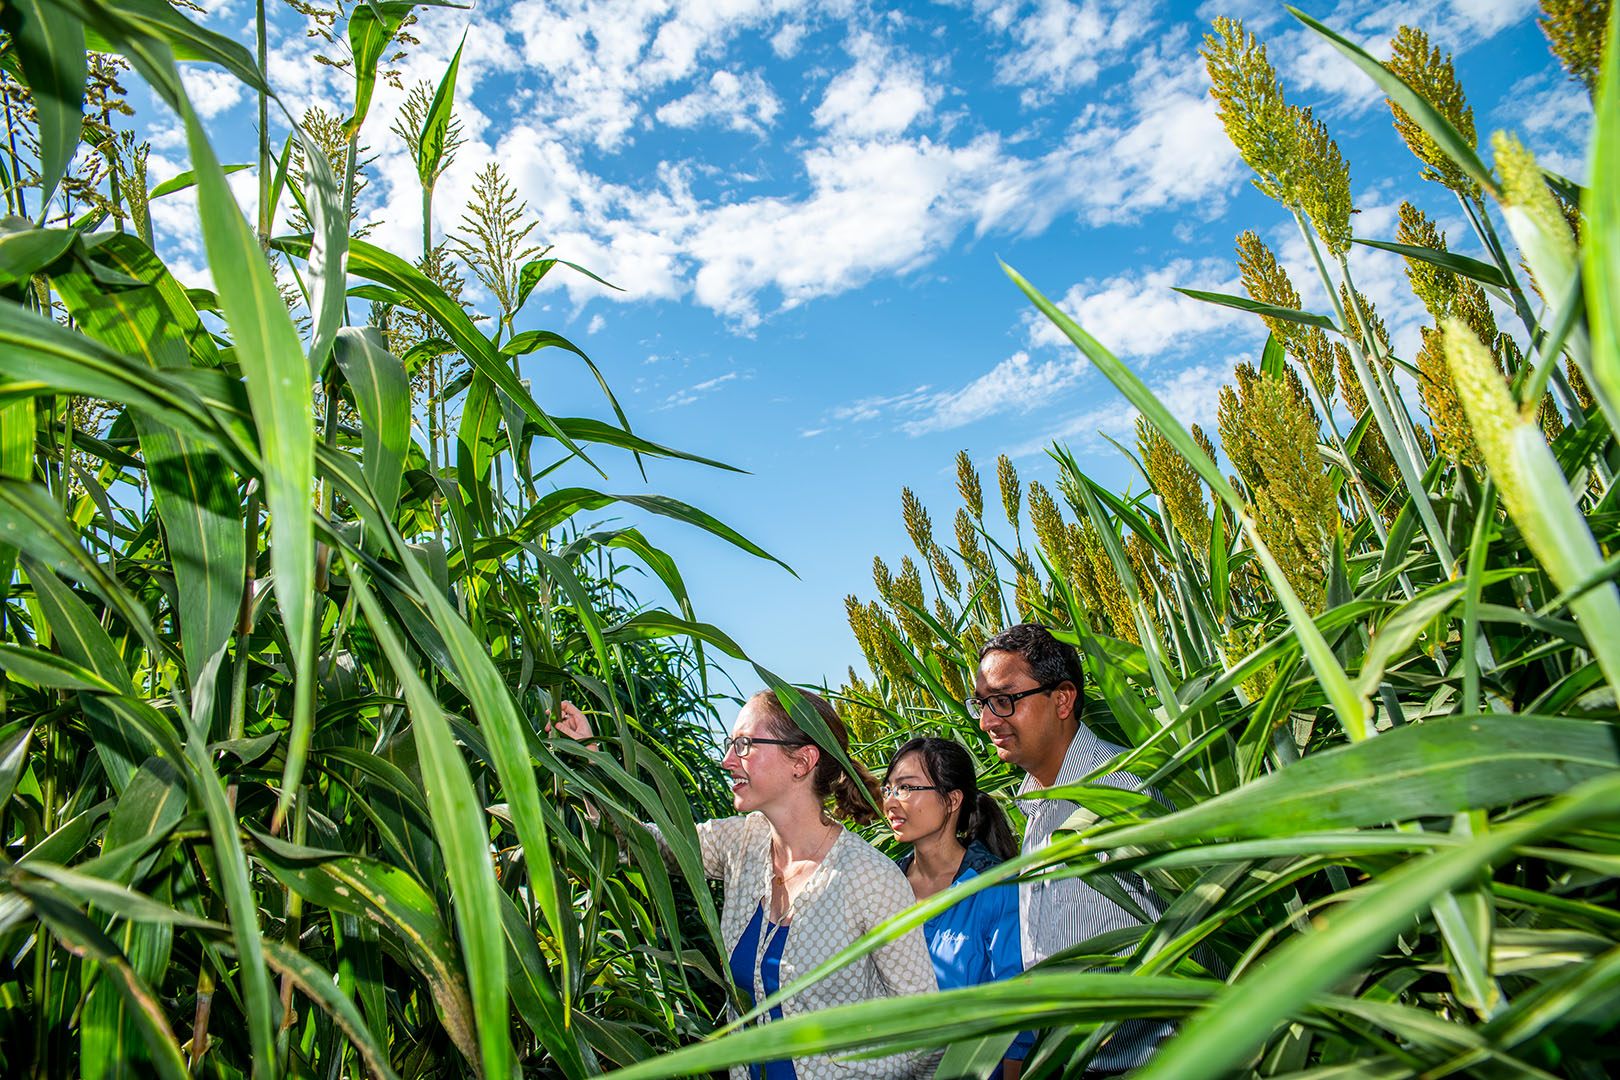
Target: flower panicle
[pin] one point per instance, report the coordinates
(967, 482)
(883, 579)
(1249, 101)
(945, 571)
(1536, 217)
(1324, 186)
(1434, 285)
(1265, 280)
(1047, 521)
(1434, 77)
(918, 525)
(1007, 479)
(1177, 484)
(1575, 31)
(1440, 401)
(1270, 432)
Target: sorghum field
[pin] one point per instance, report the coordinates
(286, 600)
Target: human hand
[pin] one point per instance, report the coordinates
(574, 725)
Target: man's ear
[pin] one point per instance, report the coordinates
(1066, 697)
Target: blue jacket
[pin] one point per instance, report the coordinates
(976, 940)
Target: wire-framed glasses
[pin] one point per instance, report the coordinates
(905, 791)
(1003, 704)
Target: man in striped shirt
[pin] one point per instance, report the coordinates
(1027, 698)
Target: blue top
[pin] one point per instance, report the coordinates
(976, 940)
(770, 978)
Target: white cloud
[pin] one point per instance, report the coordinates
(697, 390)
(212, 90)
(601, 61)
(873, 408)
(785, 42)
(596, 324)
(1016, 385)
(1061, 45)
(1553, 117)
(1191, 394)
(1486, 17)
(1140, 314)
(1164, 147)
(882, 94)
(872, 208)
(742, 103)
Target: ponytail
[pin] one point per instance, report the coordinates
(950, 767)
(855, 796)
(988, 825)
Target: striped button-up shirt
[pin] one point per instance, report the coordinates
(1056, 914)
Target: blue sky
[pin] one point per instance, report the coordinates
(805, 205)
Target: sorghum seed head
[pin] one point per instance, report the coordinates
(1007, 477)
(1435, 78)
(967, 482)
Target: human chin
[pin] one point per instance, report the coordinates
(1005, 744)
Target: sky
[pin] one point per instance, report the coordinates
(806, 206)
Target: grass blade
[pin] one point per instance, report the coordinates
(1220, 1037)
(317, 984)
(390, 270)
(458, 824)
(278, 386)
(83, 938)
(1601, 250)
(1461, 265)
(50, 49)
(1269, 311)
(436, 124)
(382, 397)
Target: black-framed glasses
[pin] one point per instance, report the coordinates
(744, 745)
(1002, 705)
(905, 791)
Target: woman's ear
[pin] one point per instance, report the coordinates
(953, 803)
(808, 757)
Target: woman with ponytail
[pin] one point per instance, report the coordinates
(799, 887)
(932, 800)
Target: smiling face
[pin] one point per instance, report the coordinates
(1037, 735)
(922, 814)
(766, 776)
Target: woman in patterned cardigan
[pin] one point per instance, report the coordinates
(799, 887)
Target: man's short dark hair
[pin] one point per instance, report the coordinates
(1050, 660)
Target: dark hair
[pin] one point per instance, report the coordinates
(830, 778)
(1050, 660)
(950, 768)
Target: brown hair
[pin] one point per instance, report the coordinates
(831, 780)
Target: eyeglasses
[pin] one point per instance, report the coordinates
(905, 791)
(1002, 705)
(743, 745)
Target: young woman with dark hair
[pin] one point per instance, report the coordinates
(932, 800)
(799, 887)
